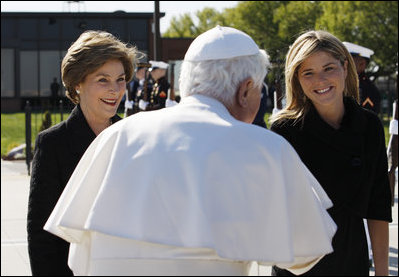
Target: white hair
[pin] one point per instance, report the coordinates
(220, 79)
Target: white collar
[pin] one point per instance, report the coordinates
(206, 102)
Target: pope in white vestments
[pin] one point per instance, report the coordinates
(194, 189)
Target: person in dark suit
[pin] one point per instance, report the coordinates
(343, 145)
(55, 87)
(94, 72)
(260, 116)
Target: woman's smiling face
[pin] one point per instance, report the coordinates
(322, 78)
(101, 91)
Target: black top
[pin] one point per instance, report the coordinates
(351, 165)
(57, 152)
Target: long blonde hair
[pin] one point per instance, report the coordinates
(297, 104)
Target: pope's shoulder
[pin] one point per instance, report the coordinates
(260, 136)
(162, 121)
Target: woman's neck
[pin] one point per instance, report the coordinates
(332, 115)
(97, 125)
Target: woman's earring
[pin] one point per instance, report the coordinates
(77, 91)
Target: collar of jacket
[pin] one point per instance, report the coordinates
(347, 138)
(81, 133)
(354, 120)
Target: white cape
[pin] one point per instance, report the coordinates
(192, 176)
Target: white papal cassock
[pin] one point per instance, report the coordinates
(190, 190)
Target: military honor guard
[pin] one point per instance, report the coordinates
(132, 91)
(160, 87)
(370, 97)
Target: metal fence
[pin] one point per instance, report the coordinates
(35, 112)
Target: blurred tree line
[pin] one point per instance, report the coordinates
(274, 25)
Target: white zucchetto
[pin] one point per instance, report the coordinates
(221, 43)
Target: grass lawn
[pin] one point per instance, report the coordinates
(13, 128)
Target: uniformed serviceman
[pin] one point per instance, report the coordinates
(370, 97)
(132, 88)
(161, 85)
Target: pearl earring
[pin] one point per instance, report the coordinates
(77, 91)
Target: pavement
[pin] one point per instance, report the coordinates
(14, 201)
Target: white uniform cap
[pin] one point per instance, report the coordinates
(156, 64)
(221, 43)
(358, 50)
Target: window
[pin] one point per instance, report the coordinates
(50, 68)
(28, 28)
(29, 73)
(7, 73)
(49, 28)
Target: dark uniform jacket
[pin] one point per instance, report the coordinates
(351, 165)
(159, 93)
(132, 89)
(370, 97)
(57, 152)
(260, 116)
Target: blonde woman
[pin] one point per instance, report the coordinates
(94, 72)
(343, 145)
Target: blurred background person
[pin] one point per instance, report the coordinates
(370, 97)
(132, 97)
(160, 86)
(260, 116)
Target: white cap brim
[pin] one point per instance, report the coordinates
(159, 64)
(358, 50)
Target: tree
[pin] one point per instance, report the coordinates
(373, 24)
(182, 27)
(185, 27)
(209, 18)
(256, 18)
(295, 18)
(274, 25)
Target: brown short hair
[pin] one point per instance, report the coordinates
(88, 53)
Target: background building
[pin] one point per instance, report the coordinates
(34, 44)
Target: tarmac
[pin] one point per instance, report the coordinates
(14, 201)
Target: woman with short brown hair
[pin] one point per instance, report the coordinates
(94, 72)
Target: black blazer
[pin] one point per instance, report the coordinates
(57, 152)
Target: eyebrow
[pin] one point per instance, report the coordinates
(107, 75)
(310, 69)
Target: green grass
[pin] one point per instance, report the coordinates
(13, 128)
